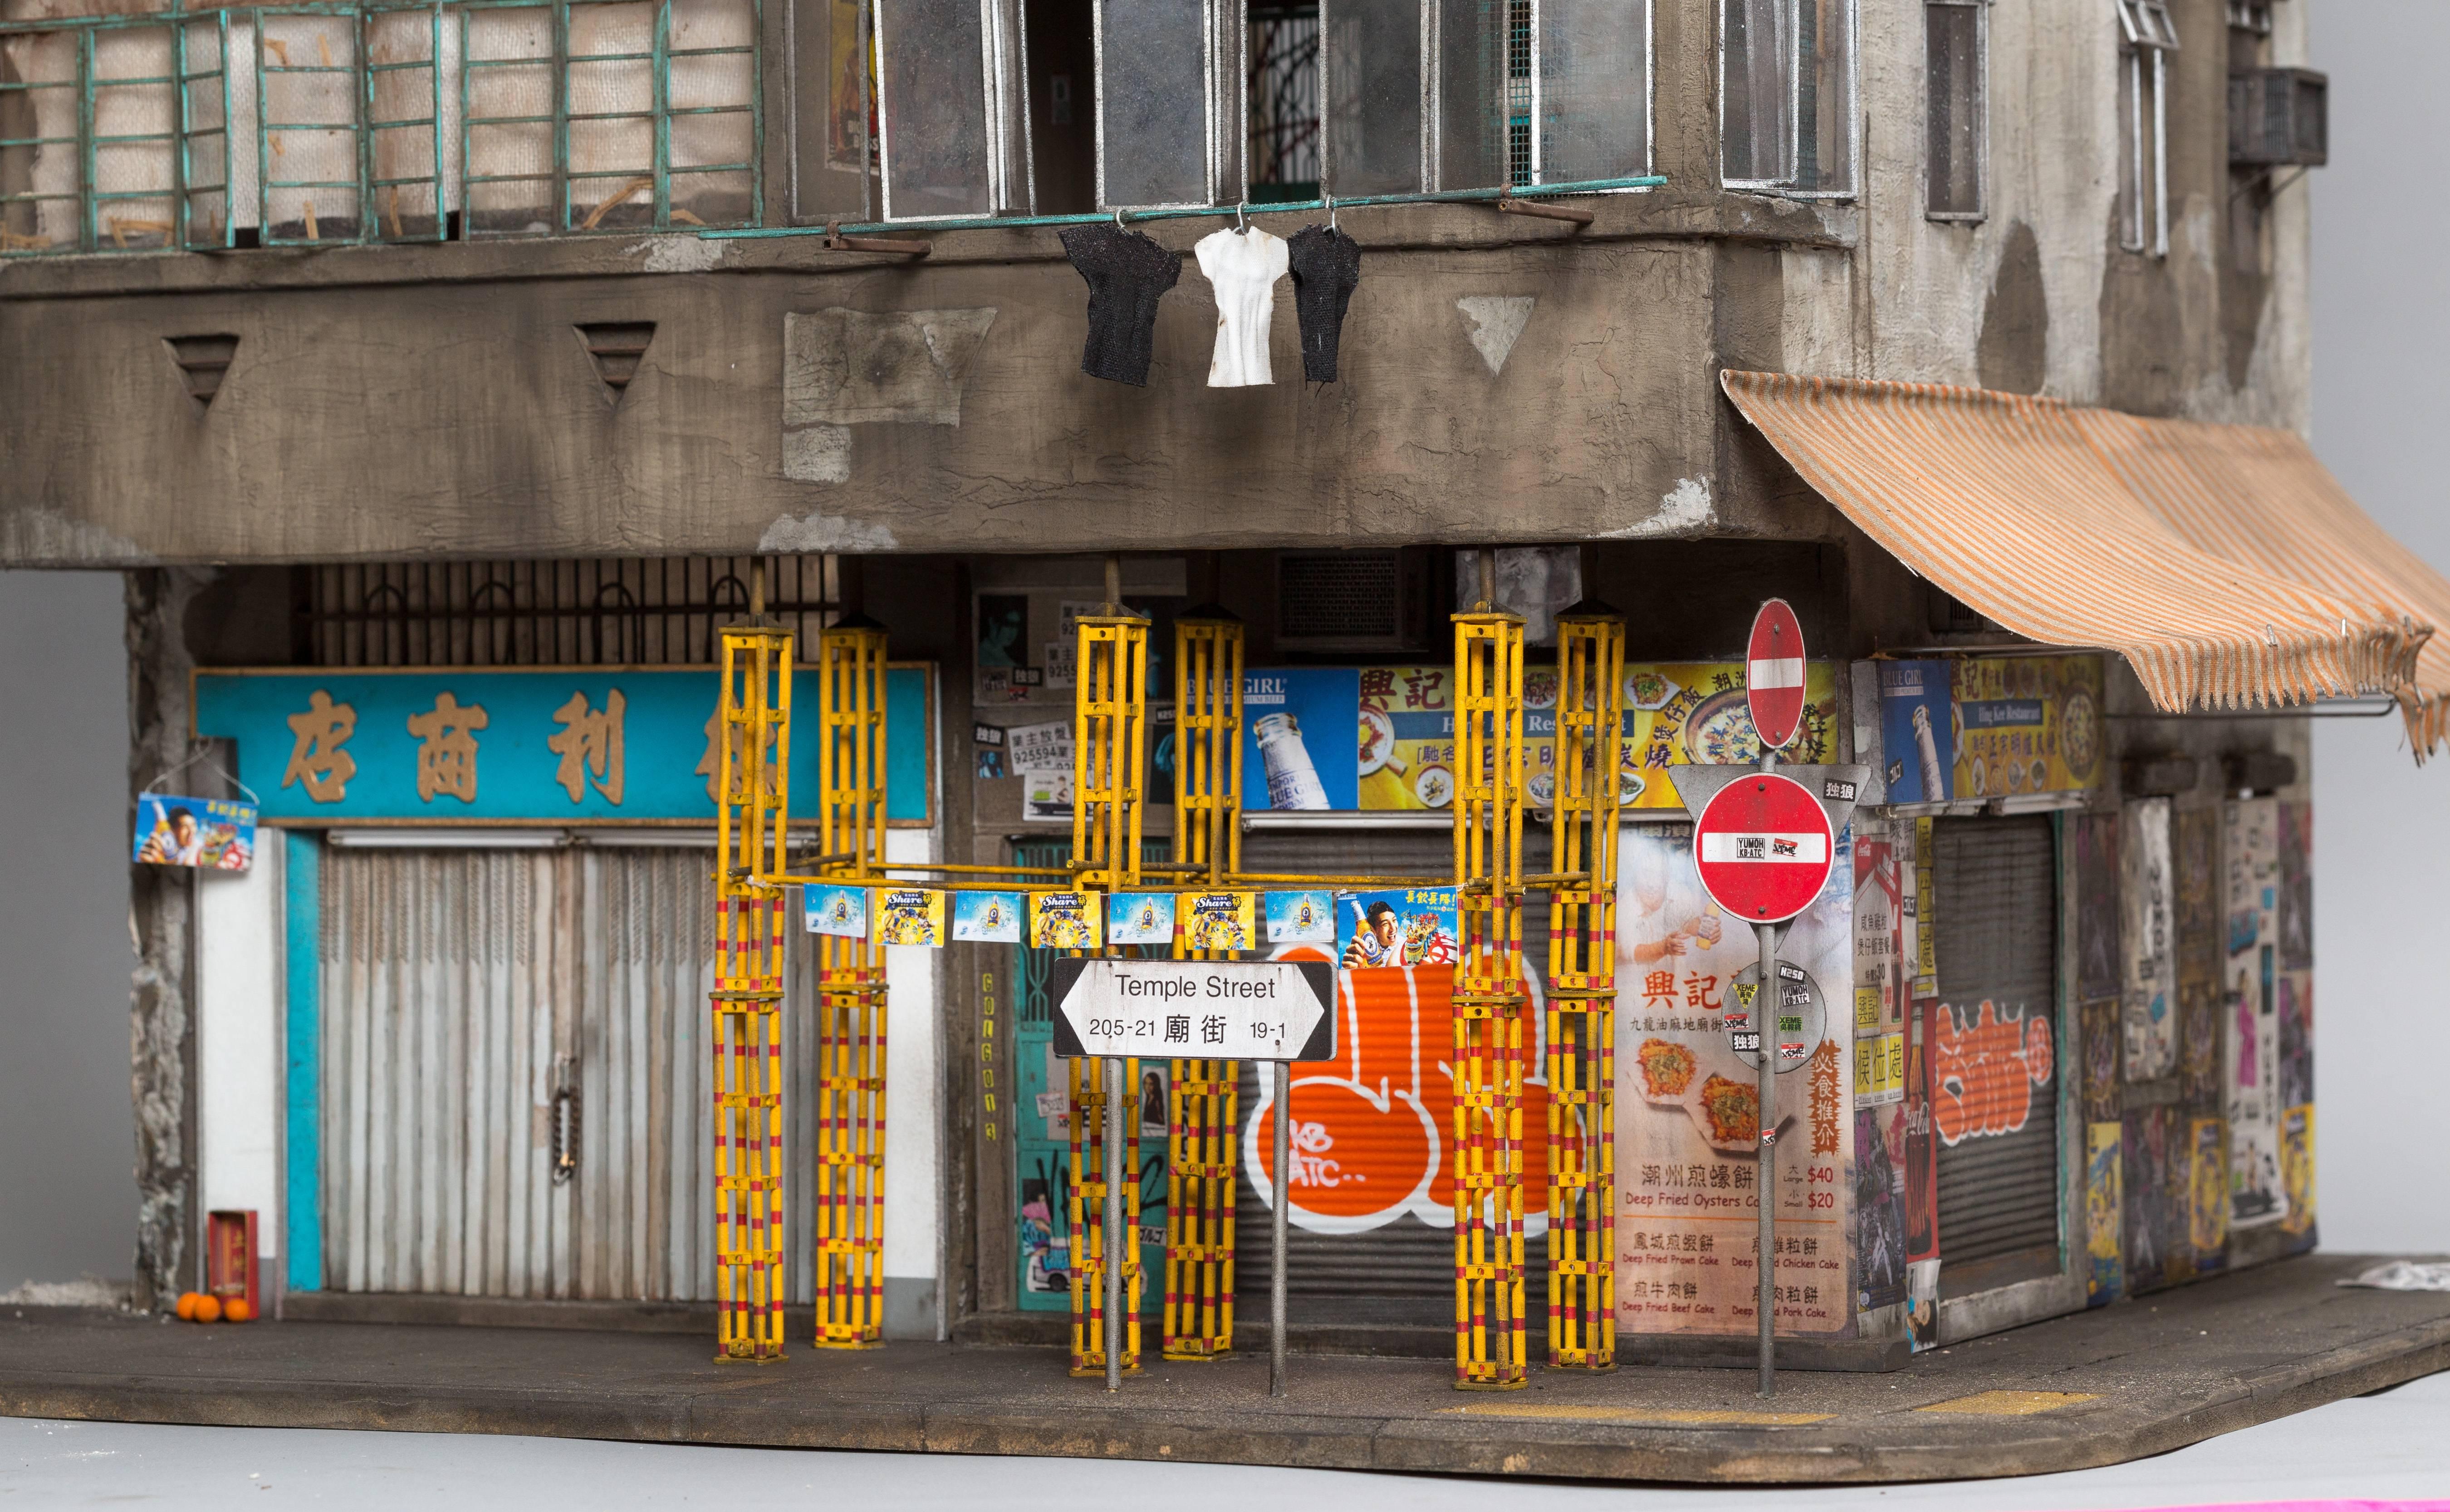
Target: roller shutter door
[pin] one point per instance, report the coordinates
(1399, 1271)
(1997, 942)
(472, 1000)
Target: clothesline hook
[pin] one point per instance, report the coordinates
(1330, 210)
(1119, 218)
(1242, 216)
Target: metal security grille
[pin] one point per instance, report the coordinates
(515, 1098)
(1284, 102)
(1339, 599)
(601, 612)
(1401, 1272)
(1997, 939)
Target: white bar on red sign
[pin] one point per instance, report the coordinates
(1778, 672)
(1797, 848)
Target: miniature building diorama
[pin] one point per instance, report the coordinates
(720, 539)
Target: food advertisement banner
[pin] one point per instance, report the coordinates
(1879, 1000)
(2027, 724)
(1688, 1119)
(1402, 755)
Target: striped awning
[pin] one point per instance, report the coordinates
(2259, 497)
(2010, 504)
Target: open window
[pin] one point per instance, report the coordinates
(2148, 35)
(1787, 120)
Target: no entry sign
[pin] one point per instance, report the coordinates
(1764, 846)
(1774, 673)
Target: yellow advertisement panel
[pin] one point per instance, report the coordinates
(2027, 724)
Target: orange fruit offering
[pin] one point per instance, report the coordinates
(236, 1310)
(187, 1305)
(209, 1308)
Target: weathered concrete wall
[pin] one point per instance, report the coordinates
(1499, 378)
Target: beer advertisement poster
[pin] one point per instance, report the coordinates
(1407, 926)
(836, 910)
(1140, 918)
(211, 834)
(1220, 921)
(1301, 918)
(1918, 733)
(1066, 920)
(910, 916)
(989, 918)
(1688, 1117)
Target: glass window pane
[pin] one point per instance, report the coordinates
(1824, 96)
(1373, 82)
(934, 104)
(1283, 146)
(1594, 89)
(1952, 41)
(1153, 107)
(1471, 93)
(1756, 132)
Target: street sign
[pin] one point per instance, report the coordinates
(1799, 1020)
(1207, 1010)
(1774, 674)
(1765, 847)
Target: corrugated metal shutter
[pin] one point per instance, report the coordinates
(463, 989)
(1998, 940)
(1401, 1272)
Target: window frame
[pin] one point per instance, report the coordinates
(1980, 109)
(2144, 27)
(1786, 189)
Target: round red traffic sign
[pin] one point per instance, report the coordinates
(1774, 673)
(1764, 848)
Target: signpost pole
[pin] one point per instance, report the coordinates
(1284, 1138)
(1116, 1170)
(1765, 1019)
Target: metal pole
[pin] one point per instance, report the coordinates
(1765, 1189)
(1118, 1243)
(1284, 1136)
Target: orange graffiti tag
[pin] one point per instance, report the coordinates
(1984, 1070)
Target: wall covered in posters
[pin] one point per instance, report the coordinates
(1399, 756)
(1687, 1114)
(2250, 902)
(2148, 922)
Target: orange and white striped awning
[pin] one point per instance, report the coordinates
(2009, 503)
(2259, 497)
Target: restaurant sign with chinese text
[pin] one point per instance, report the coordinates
(514, 745)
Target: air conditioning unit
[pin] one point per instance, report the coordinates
(2279, 117)
(1352, 601)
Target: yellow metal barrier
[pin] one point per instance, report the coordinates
(1109, 754)
(1203, 1096)
(1490, 1004)
(1582, 993)
(753, 768)
(850, 995)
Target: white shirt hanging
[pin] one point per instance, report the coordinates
(1244, 266)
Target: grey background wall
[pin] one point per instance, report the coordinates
(2382, 317)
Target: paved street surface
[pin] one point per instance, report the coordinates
(2102, 1387)
(2383, 1447)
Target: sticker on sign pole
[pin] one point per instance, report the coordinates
(1774, 674)
(1765, 847)
(1799, 1020)
(1203, 1010)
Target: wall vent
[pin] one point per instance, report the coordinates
(616, 350)
(203, 361)
(1343, 601)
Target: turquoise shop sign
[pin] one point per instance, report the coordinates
(524, 745)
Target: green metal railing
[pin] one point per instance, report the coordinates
(349, 129)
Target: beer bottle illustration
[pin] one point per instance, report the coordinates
(1935, 787)
(1292, 781)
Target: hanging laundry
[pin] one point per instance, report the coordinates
(1244, 264)
(1126, 273)
(1326, 266)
